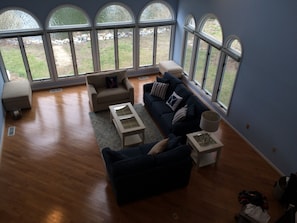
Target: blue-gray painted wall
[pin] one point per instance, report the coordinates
(2, 112)
(266, 89)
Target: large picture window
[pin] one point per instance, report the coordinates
(115, 43)
(70, 41)
(22, 47)
(215, 67)
(156, 22)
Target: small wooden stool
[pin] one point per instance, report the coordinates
(171, 67)
(17, 95)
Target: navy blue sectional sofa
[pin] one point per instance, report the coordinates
(163, 114)
(134, 174)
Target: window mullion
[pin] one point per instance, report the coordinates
(73, 54)
(155, 45)
(206, 67)
(116, 49)
(25, 59)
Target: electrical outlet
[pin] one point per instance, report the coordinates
(247, 126)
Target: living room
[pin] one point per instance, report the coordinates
(254, 105)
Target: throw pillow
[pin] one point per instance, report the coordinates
(158, 147)
(173, 101)
(159, 89)
(181, 114)
(111, 82)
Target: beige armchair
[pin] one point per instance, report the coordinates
(103, 92)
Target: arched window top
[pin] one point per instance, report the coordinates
(190, 22)
(114, 13)
(211, 28)
(17, 20)
(156, 12)
(66, 16)
(235, 46)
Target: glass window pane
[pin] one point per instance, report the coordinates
(62, 54)
(213, 63)
(156, 12)
(12, 59)
(17, 20)
(235, 46)
(146, 46)
(83, 52)
(125, 44)
(163, 43)
(228, 81)
(201, 62)
(212, 29)
(67, 16)
(113, 14)
(106, 49)
(36, 57)
(188, 53)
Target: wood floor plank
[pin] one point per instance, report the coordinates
(52, 171)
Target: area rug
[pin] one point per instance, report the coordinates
(106, 133)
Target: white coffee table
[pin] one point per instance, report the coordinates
(206, 148)
(128, 124)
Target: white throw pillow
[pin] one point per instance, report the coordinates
(174, 100)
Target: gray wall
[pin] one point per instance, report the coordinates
(266, 89)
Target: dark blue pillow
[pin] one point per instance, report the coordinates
(111, 82)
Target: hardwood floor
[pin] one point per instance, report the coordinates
(51, 171)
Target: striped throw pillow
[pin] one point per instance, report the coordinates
(159, 89)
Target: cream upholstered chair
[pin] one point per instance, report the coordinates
(108, 88)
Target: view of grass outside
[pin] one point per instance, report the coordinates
(189, 51)
(228, 82)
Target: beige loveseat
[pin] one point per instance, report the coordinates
(102, 93)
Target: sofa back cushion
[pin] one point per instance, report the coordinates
(99, 79)
(173, 156)
(195, 107)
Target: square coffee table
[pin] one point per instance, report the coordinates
(128, 124)
(204, 145)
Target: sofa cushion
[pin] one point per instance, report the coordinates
(112, 94)
(173, 141)
(160, 107)
(159, 89)
(195, 107)
(159, 147)
(180, 114)
(174, 100)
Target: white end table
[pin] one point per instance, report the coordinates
(204, 145)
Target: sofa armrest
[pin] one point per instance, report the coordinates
(130, 88)
(92, 92)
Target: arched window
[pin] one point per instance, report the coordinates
(69, 30)
(156, 12)
(17, 20)
(208, 54)
(116, 14)
(190, 26)
(67, 16)
(115, 25)
(156, 25)
(21, 46)
(231, 61)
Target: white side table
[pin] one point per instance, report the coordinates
(203, 145)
